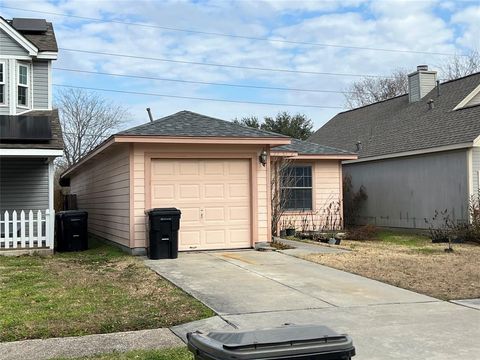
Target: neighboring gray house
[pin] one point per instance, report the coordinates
(30, 134)
(418, 152)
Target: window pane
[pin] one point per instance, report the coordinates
(22, 75)
(22, 95)
(1, 72)
(2, 99)
(297, 199)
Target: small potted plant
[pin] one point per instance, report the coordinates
(290, 230)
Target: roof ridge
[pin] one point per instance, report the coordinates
(398, 96)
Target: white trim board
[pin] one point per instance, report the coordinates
(19, 38)
(467, 99)
(412, 153)
(31, 152)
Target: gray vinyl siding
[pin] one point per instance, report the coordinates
(40, 84)
(23, 184)
(8, 46)
(414, 88)
(476, 170)
(402, 192)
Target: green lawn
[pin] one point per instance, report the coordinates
(403, 239)
(101, 290)
(168, 354)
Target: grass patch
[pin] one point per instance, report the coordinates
(411, 262)
(101, 290)
(166, 354)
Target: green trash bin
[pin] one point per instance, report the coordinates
(299, 342)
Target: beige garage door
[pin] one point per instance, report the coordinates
(214, 197)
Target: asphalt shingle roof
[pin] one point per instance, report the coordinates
(395, 125)
(43, 41)
(190, 124)
(309, 148)
(56, 143)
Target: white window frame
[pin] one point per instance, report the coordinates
(3, 64)
(27, 86)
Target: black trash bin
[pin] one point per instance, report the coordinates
(305, 342)
(163, 226)
(71, 230)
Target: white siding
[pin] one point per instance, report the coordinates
(9, 46)
(40, 84)
(475, 101)
(102, 186)
(476, 169)
(5, 108)
(23, 184)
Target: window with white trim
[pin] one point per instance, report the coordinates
(2, 83)
(22, 85)
(296, 188)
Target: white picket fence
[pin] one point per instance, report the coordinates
(26, 229)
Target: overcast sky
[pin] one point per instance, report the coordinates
(426, 26)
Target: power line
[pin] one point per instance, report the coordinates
(202, 82)
(274, 40)
(197, 98)
(218, 65)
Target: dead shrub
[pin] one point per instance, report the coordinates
(366, 232)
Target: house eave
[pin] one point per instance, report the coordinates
(47, 55)
(152, 139)
(19, 38)
(326, 157)
(413, 153)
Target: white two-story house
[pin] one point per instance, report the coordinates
(30, 134)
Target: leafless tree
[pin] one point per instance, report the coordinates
(369, 90)
(279, 196)
(87, 119)
(460, 65)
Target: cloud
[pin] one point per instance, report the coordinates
(381, 24)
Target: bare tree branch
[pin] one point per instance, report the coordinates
(87, 119)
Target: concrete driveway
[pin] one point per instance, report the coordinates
(250, 289)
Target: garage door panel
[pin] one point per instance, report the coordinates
(214, 214)
(238, 236)
(164, 192)
(215, 237)
(187, 167)
(190, 238)
(160, 168)
(189, 192)
(239, 213)
(214, 167)
(238, 191)
(214, 191)
(213, 196)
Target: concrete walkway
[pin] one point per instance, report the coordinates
(250, 289)
(88, 345)
(305, 248)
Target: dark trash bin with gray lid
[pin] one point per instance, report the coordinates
(163, 225)
(299, 342)
(71, 230)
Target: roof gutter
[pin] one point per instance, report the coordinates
(413, 153)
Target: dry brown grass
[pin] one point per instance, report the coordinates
(412, 262)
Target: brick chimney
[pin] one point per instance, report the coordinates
(420, 83)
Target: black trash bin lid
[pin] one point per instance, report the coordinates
(72, 213)
(316, 341)
(163, 211)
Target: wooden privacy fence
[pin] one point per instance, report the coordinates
(26, 229)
